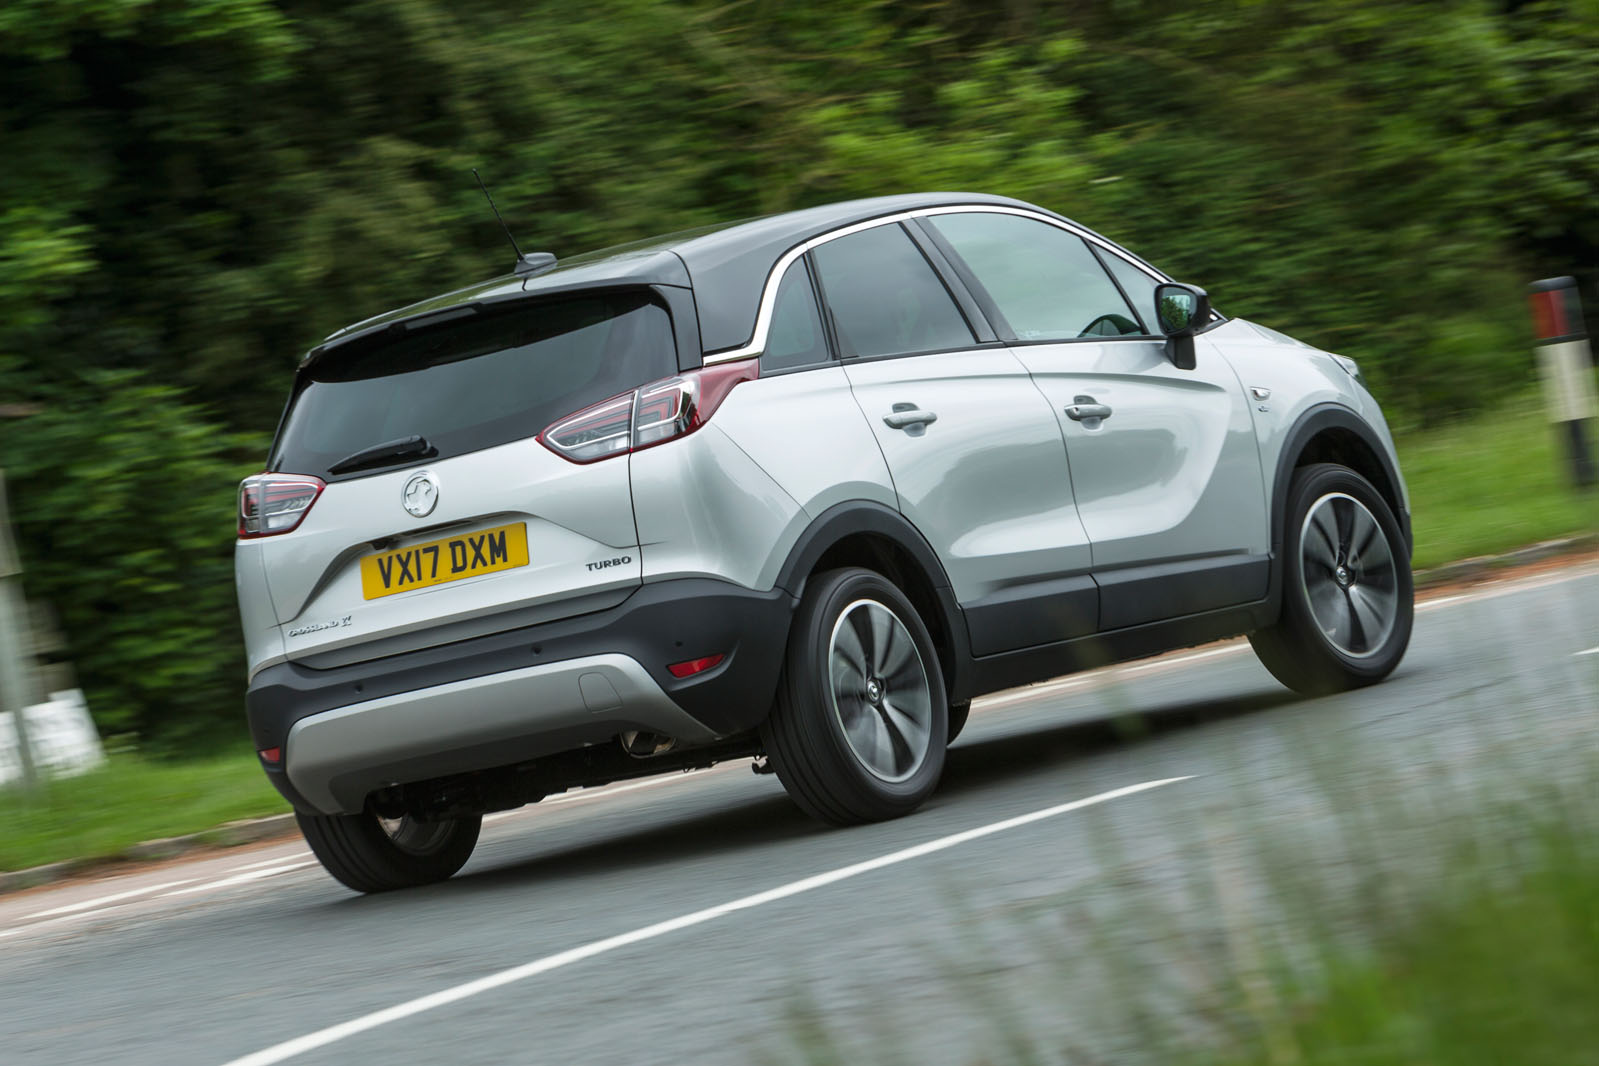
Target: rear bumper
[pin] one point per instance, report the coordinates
(517, 695)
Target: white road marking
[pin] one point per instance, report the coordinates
(293, 855)
(601, 793)
(1507, 586)
(589, 793)
(334, 1033)
(1032, 692)
(1590, 651)
(1180, 659)
(105, 901)
(238, 879)
(75, 915)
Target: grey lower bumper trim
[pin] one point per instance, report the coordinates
(335, 758)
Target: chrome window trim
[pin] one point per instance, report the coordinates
(763, 318)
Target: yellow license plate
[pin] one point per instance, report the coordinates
(439, 561)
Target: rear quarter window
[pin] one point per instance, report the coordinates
(473, 383)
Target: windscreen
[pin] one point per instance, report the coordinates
(475, 382)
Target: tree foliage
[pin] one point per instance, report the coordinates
(125, 531)
(195, 191)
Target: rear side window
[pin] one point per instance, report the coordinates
(476, 382)
(795, 338)
(885, 298)
(1044, 280)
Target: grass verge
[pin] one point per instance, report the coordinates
(1492, 484)
(130, 799)
(1506, 973)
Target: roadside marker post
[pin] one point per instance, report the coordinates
(1564, 364)
(15, 676)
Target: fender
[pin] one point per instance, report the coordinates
(1332, 416)
(856, 517)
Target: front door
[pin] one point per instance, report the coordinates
(1163, 461)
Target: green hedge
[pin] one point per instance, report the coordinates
(197, 192)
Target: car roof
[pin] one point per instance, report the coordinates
(727, 266)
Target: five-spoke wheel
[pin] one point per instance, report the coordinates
(880, 691)
(861, 720)
(1348, 600)
(1350, 579)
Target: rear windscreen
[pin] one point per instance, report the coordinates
(475, 382)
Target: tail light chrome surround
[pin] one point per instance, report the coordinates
(649, 415)
(271, 504)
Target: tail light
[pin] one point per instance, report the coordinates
(270, 504)
(649, 415)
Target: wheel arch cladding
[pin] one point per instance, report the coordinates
(1333, 434)
(867, 534)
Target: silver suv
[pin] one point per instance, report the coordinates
(795, 489)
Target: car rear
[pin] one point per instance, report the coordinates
(446, 512)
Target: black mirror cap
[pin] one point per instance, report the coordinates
(1183, 310)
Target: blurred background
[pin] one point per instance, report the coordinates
(194, 192)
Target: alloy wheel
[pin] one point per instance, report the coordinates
(879, 691)
(1349, 575)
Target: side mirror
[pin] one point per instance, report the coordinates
(1183, 310)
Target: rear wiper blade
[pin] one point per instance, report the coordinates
(412, 447)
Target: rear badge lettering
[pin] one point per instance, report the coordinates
(317, 627)
(620, 560)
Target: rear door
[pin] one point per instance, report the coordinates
(489, 529)
(974, 452)
(1164, 462)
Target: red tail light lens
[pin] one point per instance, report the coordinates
(657, 412)
(270, 504)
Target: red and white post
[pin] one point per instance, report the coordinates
(1565, 364)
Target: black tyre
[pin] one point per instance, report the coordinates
(861, 720)
(958, 713)
(1348, 598)
(372, 854)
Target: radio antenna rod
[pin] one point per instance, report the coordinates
(496, 211)
(527, 266)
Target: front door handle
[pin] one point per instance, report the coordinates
(1085, 409)
(907, 415)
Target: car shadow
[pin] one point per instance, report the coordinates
(974, 763)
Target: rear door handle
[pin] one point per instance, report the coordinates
(906, 415)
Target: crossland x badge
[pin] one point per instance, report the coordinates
(421, 495)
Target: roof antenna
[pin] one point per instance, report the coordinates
(527, 266)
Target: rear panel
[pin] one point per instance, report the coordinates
(581, 544)
(443, 516)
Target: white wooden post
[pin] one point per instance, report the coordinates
(15, 662)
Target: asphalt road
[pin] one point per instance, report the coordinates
(700, 918)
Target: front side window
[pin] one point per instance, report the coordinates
(1044, 280)
(1139, 287)
(885, 298)
(795, 337)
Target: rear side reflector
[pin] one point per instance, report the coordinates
(694, 666)
(272, 755)
(270, 504)
(653, 414)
